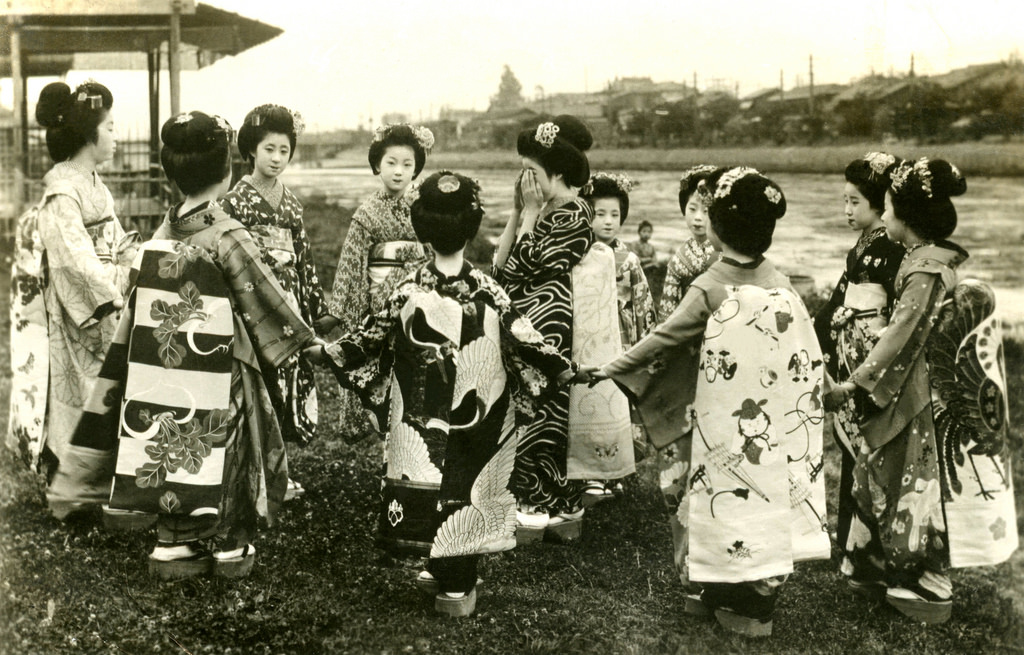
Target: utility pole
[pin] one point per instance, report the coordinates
(810, 72)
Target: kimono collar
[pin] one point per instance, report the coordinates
(196, 219)
(750, 265)
(447, 279)
(943, 252)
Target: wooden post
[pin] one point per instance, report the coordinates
(174, 57)
(153, 65)
(20, 126)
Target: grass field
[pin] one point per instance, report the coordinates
(979, 158)
(320, 586)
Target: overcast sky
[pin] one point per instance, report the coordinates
(342, 62)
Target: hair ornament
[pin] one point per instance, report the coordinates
(448, 184)
(298, 124)
(699, 170)
(879, 161)
(773, 194)
(624, 183)
(183, 118)
(703, 192)
(925, 175)
(918, 170)
(95, 100)
(412, 193)
(730, 177)
(546, 133)
(424, 136)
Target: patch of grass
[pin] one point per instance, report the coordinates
(320, 586)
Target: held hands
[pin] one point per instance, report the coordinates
(589, 375)
(325, 324)
(315, 354)
(839, 395)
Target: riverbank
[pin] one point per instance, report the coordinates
(979, 158)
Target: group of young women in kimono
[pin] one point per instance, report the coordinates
(509, 401)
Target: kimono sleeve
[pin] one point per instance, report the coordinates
(641, 300)
(823, 324)
(659, 373)
(886, 368)
(536, 363)
(277, 331)
(311, 292)
(84, 285)
(350, 297)
(548, 253)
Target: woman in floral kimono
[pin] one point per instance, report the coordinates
(543, 244)
(380, 249)
(197, 440)
(445, 367)
(273, 215)
(71, 272)
(932, 479)
(858, 309)
(696, 253)
(608, 195)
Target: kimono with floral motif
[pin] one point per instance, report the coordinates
(636, 306)
(181, 389)
(281, 237)
(380, 250)
(848, 325)
(71, 265)
(448, 369)
(903, 478)
(687, 262)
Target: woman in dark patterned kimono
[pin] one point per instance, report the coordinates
(548, 234)
(273, 216)
(70, 275)
(858, 309)
(380, 249)
(931, 480)
(696, 254)
(445, 367)
(181, 399)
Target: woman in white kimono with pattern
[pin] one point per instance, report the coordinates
(72, 259)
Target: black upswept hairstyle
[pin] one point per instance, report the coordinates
(399, 134)
(605, 186)
(71, 118)
(744, 209)
(197, 150)
(447, 212)
(565, 155)
(870, 174)
(690, 181)
(264, 120)
(921, 194)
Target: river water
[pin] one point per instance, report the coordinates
(812, 239)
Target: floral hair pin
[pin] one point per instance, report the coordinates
(448, 184)
(924, 174)
(900, 176)
(689, 174)
(412, 193)
(624, 183)
(879, 161)
(546, 133)
(298, 123)
(183, 118)
(424, 136)
(730, 177)
(774, 195)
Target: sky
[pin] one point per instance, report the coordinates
(343, 63)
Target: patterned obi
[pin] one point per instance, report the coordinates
(388, 255)
(868, 301)
(277, 241)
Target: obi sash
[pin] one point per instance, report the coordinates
(277, 242)
(386, 256)
(176, 414)
(600, 433)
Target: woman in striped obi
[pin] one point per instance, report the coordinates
(181, 399)
(446, 366)
(380, 249)
(273, 216)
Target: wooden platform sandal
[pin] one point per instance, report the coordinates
(179, 562)
(456, 605)
(234, 563)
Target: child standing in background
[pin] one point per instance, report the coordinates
(643, 248)
(696, 253)
(380, 248)
(608, 195)
(848, 324)
(444, 367)
(273, 215)
(752, 500)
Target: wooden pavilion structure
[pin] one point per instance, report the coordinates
(41, 38)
